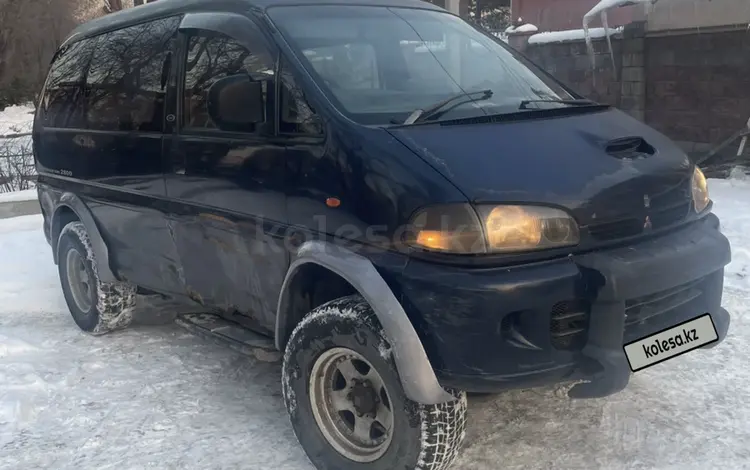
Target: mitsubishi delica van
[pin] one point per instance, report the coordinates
(399, 206)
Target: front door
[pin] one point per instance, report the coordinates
(226, 185)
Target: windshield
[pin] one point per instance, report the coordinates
(378, 64)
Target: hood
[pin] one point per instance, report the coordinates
(601, 166)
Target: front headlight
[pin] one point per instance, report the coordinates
(459, 229)
(452, 228)
(700, 191)
(526, 228)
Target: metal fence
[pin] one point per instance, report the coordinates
(17, 170)
(722, 159)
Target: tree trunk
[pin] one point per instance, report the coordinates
(111, 6)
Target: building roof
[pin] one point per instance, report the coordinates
(162, 8)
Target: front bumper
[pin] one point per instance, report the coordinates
(490, 329)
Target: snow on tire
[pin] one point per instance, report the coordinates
(101, 307)
(422, 437)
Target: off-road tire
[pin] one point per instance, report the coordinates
(111, 304)
(425, 437)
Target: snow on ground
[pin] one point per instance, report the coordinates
(17, 196)
(149, 396)
(160, 397)
(16, 119)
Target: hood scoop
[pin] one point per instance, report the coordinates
(629, 148)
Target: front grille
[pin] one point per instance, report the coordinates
(641, 309)
(659, 218)
(618, 229)
(664, 210)
(569, 323)
(670, 215)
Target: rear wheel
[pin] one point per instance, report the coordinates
(346, 403)
(97, 307)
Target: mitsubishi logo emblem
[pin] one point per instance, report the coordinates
(646, 201)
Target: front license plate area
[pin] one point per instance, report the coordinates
(671, 342)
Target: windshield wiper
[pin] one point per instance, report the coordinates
(525, 103)
(442, 107)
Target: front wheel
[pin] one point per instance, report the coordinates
(346, 403)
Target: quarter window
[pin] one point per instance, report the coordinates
(62, 105)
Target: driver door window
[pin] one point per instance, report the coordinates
(211, 57)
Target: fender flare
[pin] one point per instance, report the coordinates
(101, 253)
(417, 375)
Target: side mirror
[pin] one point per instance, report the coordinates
(235, 103)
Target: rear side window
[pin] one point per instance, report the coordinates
(62, 104)
(127, 78)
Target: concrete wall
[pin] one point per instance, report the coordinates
(694, 87)
(698, 84)
(560, 15)
(570, 63)
(680, 14)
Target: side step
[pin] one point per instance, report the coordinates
(155, 309)
(231, 334)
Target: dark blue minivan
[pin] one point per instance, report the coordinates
(398, 204)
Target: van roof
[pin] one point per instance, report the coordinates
(161, 8)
